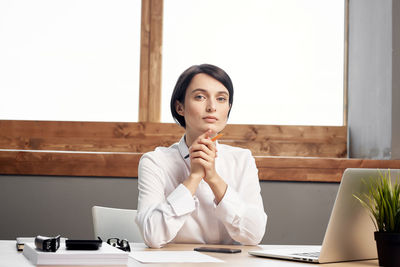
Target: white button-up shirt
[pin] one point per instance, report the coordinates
(167, 211)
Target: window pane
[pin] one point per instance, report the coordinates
(70, 59)
(285, 57)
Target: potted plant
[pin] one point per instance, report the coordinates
(383, 204)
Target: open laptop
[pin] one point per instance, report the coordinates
(349, 235)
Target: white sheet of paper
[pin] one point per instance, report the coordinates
(171, 256)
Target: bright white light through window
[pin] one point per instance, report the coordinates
(72, 60)
(285, 57)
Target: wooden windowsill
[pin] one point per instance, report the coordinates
(113, 149)
(124, 164)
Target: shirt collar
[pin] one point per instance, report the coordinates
(183, 149)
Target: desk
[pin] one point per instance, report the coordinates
(10, 257)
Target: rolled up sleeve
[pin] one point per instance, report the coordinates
(159, 218)
(242, 211)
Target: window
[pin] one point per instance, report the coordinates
(74, 60)
(114, 148)
(285, 57)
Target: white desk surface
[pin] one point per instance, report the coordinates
(10, 257)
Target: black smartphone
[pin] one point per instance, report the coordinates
(83, 244)
(219, 250)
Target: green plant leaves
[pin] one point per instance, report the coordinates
(382, 202)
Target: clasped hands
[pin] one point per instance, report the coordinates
(202, 163)
(202, 158)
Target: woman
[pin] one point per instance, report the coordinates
(188, 194)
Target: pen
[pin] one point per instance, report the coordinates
(215, 138)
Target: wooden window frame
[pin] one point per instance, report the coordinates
(113, 149)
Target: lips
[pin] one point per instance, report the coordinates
(210, 119)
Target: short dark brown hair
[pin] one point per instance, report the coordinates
(185, 79)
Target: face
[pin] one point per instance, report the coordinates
(206, 105)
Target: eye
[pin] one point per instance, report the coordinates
(199, 97)
(221, 99)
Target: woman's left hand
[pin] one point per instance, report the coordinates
(204, 152)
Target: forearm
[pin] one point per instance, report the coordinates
(192, 182)
(161, 221)
(248, 229)
(245, 221)
(218, 187)
(158, 225)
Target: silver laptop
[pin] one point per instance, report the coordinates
(349, 235)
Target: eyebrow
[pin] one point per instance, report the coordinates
(205, 91)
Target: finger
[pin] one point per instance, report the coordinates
(203, 163)
(202, 155)
(210, 144)
(201, 147)
(205, 135)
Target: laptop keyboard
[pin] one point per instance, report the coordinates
(308, 254)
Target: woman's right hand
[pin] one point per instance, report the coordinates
(196, 169)
(197, 172)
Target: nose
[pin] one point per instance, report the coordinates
(211, 107)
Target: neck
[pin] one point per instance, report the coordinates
(189, 139)
(191, 136)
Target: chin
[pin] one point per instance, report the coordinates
(217, 128)
(213, 127)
